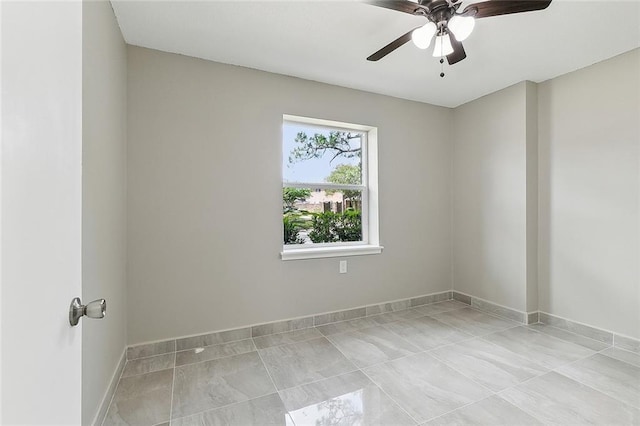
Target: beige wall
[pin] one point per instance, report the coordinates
(539, 185)
(104, 196)
(489, 182)
(205, 150)
(589, 192)
(546, 186)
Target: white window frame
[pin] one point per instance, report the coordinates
(370, 243)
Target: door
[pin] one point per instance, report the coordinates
(40, 194)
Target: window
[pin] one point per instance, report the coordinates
(329, 189)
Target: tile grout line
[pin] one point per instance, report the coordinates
(524, 410)
(113, 397)
(289, 343)
(460, 408)
(461, 329)
(575, 334)
(256, 349)
(549, 370)
(484, 338)
(568, 341)
(420, 350)
(471, 337)
(215, 344)
(314, 381)
(264, 365)
(173, 385)
(150, 356)
(519, 383)
(518, 408)
(460, 372)
(591, 328)
(378, 386)
(498, 393)
(493, 314)
(385, 325)
(553, 370)
(493, 393)
(377, 314)
(319, 380)
(390, 397)
(621, 360)
(369, 326)
(147, 372)
(446, 345)
(484, 399)
(380, 326)
(591, 387)
(222, 407)
(567, 377)
(516, 324)
(633, 407)
(215, 359)
(232, 403)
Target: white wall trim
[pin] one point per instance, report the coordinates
(335, 251)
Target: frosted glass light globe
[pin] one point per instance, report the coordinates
(422, 36)
(442, 46)
(461, 26)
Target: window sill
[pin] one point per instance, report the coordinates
(321, 252)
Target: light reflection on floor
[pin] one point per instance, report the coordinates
(347, 409)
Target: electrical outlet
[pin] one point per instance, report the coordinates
(343, 266)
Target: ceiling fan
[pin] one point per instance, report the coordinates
(449, 26)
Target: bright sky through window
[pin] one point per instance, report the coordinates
(310, 170)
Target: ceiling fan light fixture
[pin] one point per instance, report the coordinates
(442, 46)
(422, 36)
(461, 26)
(444, 16)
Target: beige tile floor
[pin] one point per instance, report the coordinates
(439, 364)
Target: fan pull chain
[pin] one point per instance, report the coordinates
(442, 56)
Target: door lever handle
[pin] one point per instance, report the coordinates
(96, 309)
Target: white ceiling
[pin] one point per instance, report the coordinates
(328, 41)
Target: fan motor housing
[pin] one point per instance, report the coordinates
(437, 11)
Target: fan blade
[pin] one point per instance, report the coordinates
(405, 6)
(504, 7)
(458, 52)
(391, 46)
